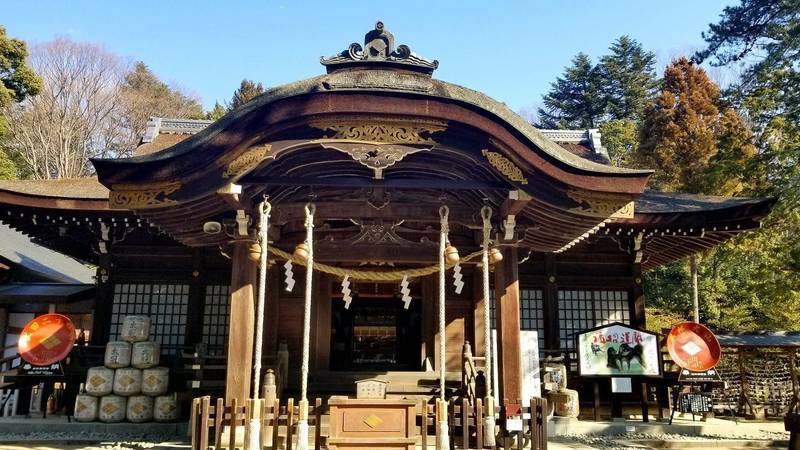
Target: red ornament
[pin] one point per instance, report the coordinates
(693, 347)
(47, 339)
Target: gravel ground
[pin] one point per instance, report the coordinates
(614, 442)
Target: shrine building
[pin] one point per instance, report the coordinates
(378, 146)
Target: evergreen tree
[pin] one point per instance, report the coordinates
(247, 91)
(575, 99)
(628, 79)
(621, 139)
(17, 82)
(217, 112)
(144, 95)
(696, 143)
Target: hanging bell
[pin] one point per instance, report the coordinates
(451, 255)
(495, 256)
(300, 252)
(254, 252)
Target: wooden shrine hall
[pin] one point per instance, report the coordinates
(377, 147)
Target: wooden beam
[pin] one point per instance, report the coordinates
(357, 182)
(240, 332)
(508, 336)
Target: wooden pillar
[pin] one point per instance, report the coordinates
(194, 313)
(477, 312)
(322, 318)
(638, 317)
(550, 306)
(240, 334)
(272, 309)
(103, 302)
(509, 363)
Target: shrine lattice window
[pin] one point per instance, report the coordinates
(580, 309)
(216, 318)
(165, 304)
(531, 311)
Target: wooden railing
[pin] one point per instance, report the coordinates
(212, 422)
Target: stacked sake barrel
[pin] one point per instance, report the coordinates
(130, 385)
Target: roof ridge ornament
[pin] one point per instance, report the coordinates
(379, 51)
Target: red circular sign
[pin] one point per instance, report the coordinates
(693, 347)
(46, 339)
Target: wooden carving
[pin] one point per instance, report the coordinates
(384, 133)
(246, 161)
(505, 166)
(601, 205)
(375, 156)
(142, 197)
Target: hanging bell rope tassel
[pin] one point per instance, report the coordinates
(263, 240)
(445, 252)
(302, 425)
(488, 401)
(308, 256)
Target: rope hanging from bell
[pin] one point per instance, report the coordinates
(449, 253)
(263, 240)
(306, 252)
(489, 421)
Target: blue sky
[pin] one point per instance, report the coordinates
(511, 51)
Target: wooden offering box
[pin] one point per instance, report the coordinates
(374, 424)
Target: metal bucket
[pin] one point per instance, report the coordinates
(99, 381)
(112, 409)
(145, 354)
(127, 381)
(135, 328)
(140, 409)
(118, 354)
(85, 408)
(155, 381)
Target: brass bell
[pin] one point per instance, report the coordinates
(451, 255)
(300, 252)
(254, 252)
(495, 255)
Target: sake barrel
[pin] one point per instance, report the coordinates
(140, 409)
(128, 381)
(145, 354)
(135, 328)
(155, 381)
(165, 408)
(99, 381)
(112, 408)
(118, 354)
(85, 408)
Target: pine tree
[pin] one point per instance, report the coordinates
(575, 99)
(692, 139)
(628, 79)
(247, 91)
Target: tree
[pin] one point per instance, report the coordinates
(17, 82)
(144, 96)
(620, 138)
(694, 140)
(247, 91)
(575, 99)
(217, 112)
(55, 132)
(628, 79)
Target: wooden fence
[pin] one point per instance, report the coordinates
(211, 422)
